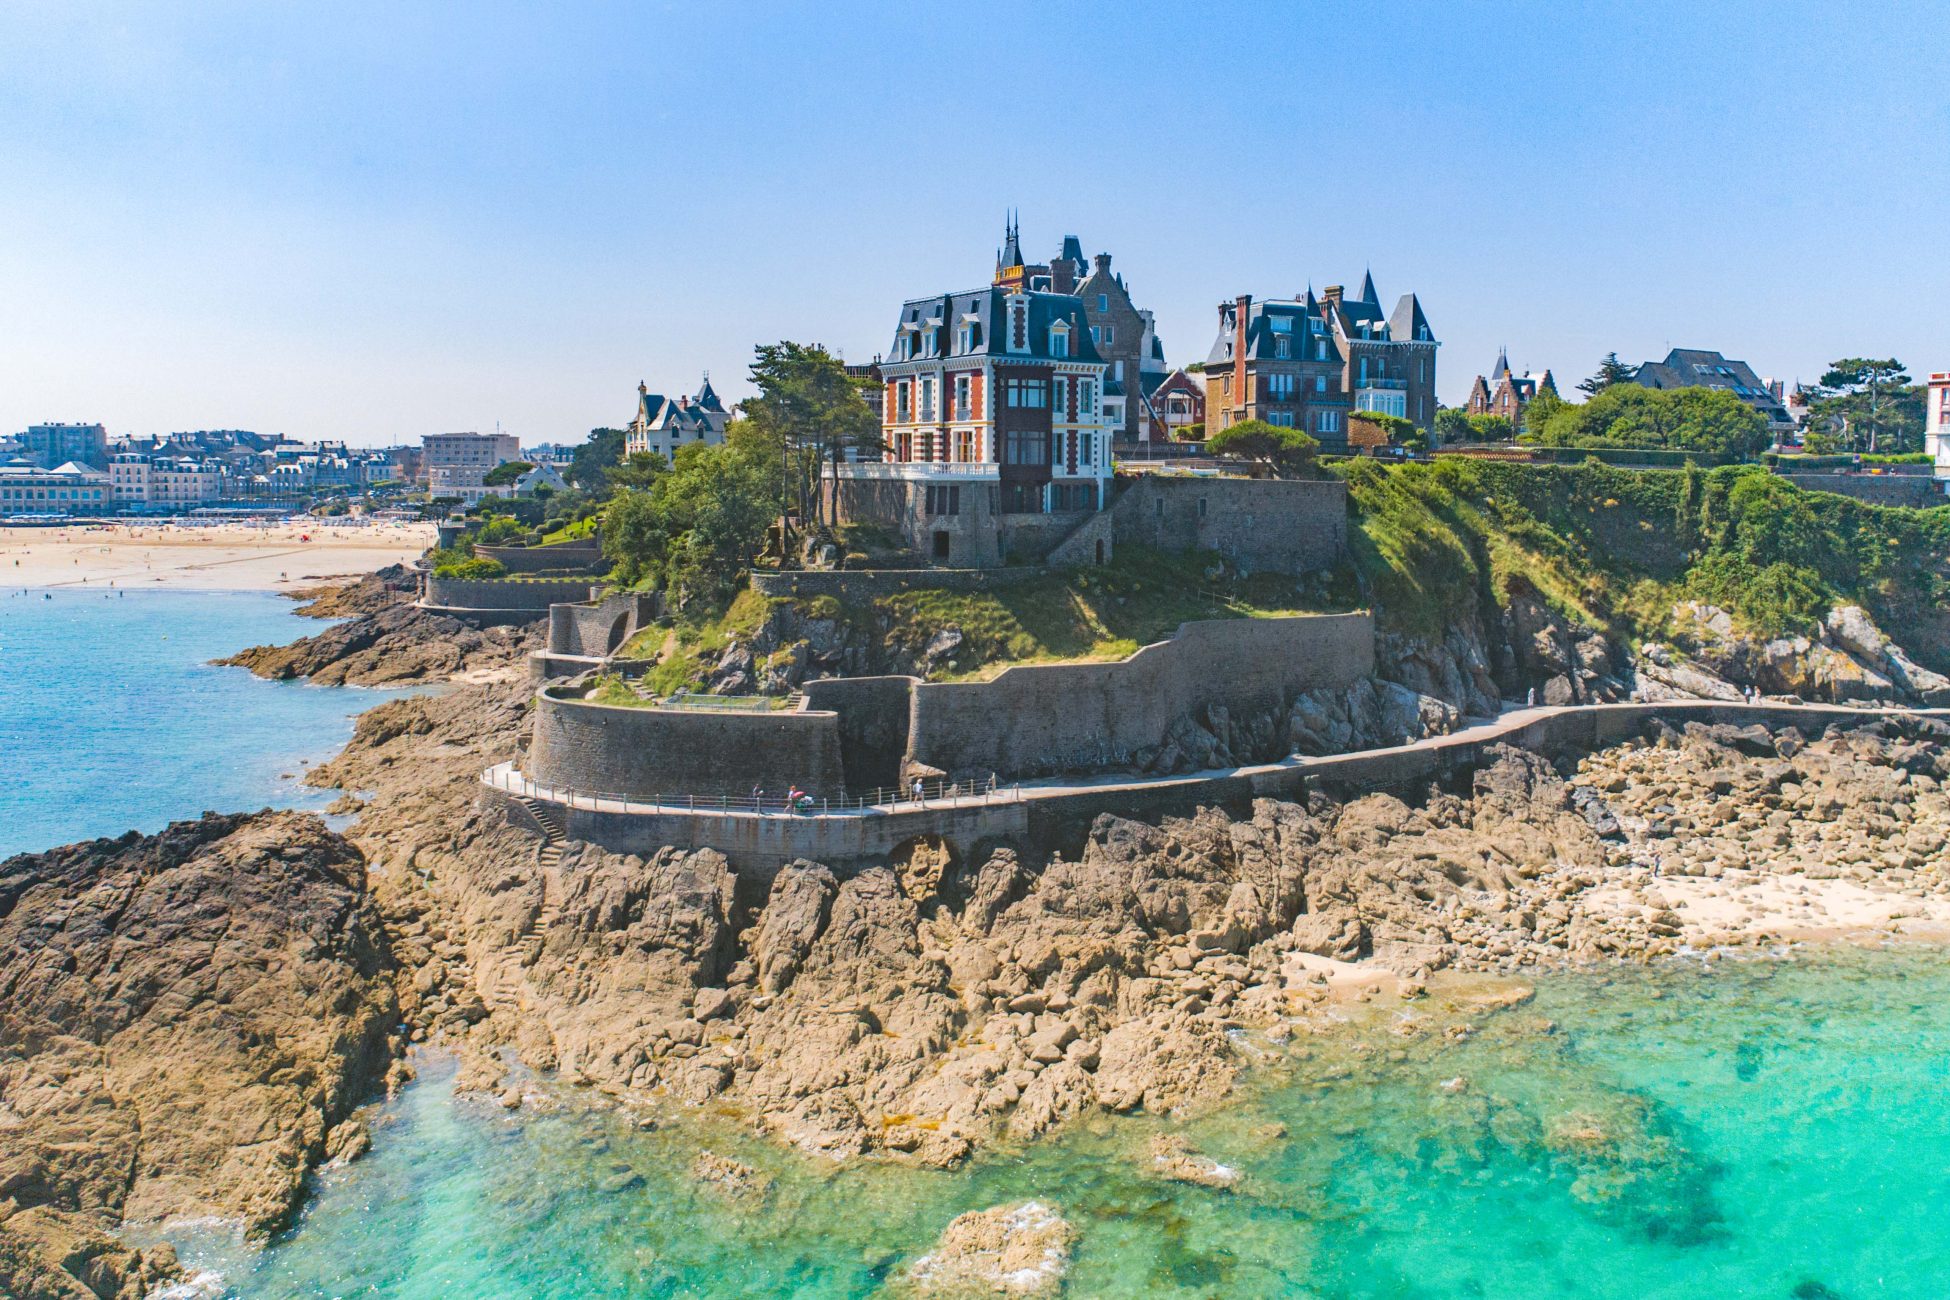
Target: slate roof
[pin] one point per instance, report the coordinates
(987, 307)
(702, 413)
(1698, 368)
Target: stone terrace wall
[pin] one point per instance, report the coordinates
(873, 713)
(1270, 525)
(528, 595)
(597, 629)
(1876, 489)
(563, 557)
(643, 753)
(1039, 719)
(866, 584)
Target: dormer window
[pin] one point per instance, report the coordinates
(1059, 340)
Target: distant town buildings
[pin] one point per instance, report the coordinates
(48, 446)
(1309, 362)
(1505, 393)
(456, 463)
(1697, 368)
(71, 488)
(663, 424)
(1936, 422)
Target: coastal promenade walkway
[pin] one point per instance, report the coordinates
(1058, 810)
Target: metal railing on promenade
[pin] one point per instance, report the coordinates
(760, 803)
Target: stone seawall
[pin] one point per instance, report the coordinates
(1037, 719)
(643, 753)
(1057, 817)
(598, 628)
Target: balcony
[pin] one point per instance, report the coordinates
(919, 470)
(963, 412)
(1398, 384)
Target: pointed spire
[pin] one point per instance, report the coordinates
(1502, 364)
(1367, 289)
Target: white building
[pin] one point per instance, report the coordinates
(1936, 422)
(68, 489)
(663, 424)
(456, 462)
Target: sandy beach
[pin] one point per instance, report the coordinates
(205, 557)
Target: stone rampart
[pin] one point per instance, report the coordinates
(562, 557)
(1269, 525)
(873, 714)
(643, 753)
(530, 596)
(597, 628)
(1036, 719)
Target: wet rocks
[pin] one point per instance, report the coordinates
(1012, 1250)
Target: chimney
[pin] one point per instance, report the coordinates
(1245, 306)
(1332, 294)
(1101, 261)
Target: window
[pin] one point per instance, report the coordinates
(1059, 342)
(1103, 302)
(1328, 422)
(961, 397)
(1280, 419)
(1201, 507)
(1087, 397)
(900, 403)
(1094, 332)
(1364, 370)
(944, 499)
(1086, 447)
(1320, 349)
(1282, 346)
(1320, 383)
(927, 399)
(1026, 448)
(1110, 335)
(1279, 387)
(1026, 394)
(1117, 371)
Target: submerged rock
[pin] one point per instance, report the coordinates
(1012, 1250)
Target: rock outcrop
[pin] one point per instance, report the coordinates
(1012, 1250)
(398, 644)
(184, 1020)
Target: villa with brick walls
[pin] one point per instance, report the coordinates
(1310, 362)
(1506, 393)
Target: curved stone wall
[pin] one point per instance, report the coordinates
(1041, 719)
(529, 595)
(645, 753)
(598, 628)
(562, 557)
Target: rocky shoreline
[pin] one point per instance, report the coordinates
(918, 1010)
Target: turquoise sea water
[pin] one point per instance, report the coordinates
(1760, 1128)
(111, 718)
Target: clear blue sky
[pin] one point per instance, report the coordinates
(378, 220)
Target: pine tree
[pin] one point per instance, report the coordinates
(1610, 371)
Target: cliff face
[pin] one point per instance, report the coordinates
(184, 1019)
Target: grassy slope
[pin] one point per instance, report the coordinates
(1616, 547)
(1098, 613)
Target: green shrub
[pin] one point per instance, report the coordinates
(475, 568)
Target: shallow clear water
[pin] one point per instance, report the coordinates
(1764, 1128)
(112, 719)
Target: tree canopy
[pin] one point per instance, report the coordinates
(1269, 446)
(1709, 421)
(694, 528)
(1611, 372)
(1867, 404)
(508, 471)
(812, 411)
(589, 462)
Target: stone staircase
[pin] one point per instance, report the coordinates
(554, 832)
(549, 857)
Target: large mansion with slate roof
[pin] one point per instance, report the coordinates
(992, 411)
(1125, 336)
(663, 424)
(1698, 368)
(1309, 362)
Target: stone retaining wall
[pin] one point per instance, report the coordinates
(868, 584)
(527, 595)
(642, 753)
(1876, 489)
(1259, 525)
(600, 627)
(1037, 719)
(562, 557)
